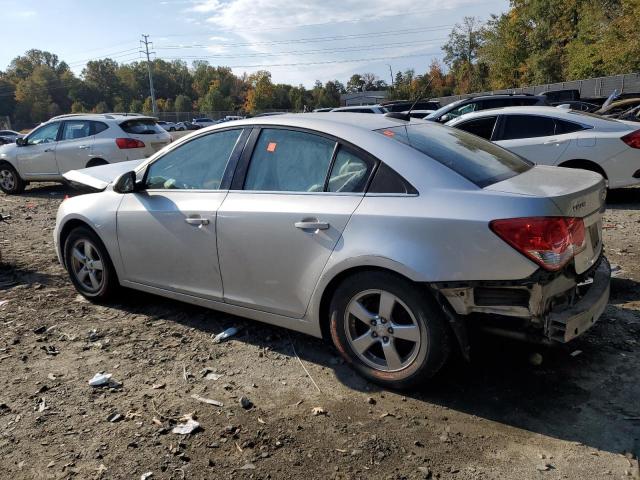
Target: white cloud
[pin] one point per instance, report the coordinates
(22, 13)
(278, 26)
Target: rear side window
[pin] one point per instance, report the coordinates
(99, 127)
(527, 126)
(141, 127)
(75, 129)
(562, 126)
(289, 161)
(386, 180)
(482, 127)
(349, 173)
(479, 161)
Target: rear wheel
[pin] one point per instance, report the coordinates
(10, 181)
(390, 331)
(89, 265)
(96, 162)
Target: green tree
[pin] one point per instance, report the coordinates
(461, 55)
(135, 106)
(183, 104)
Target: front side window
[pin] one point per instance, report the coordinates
(482, 127)
(527, 126)
(74, 129)
(45, 134)
(195, 165)
(289, 161)
(477, 160)
(349, 173)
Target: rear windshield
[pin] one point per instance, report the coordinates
(476, 159)
(141, 126)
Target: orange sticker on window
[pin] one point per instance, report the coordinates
(272, 147)
(388, 133)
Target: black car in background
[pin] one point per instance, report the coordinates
(404, 105)
(485, 102)
(9, 136)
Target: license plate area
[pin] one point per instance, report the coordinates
(585, 259)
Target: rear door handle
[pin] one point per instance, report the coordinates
(311, 225)
(553, 141)
(47, 150)
(197, 221)
(83, 147)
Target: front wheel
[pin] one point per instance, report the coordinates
(10, 181)
(89, 265)
(388, 329)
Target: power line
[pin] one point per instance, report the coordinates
(328, 62)
(355, 48)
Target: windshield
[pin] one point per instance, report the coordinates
(145, 126)
(476, 159)
(442, 110)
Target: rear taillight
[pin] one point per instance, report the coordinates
(549, 241)
(129, 143)
(632, 139)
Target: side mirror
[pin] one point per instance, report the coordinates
(21, 141)
(445, 118)
(126, 183)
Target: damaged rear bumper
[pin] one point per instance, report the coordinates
(552, 308)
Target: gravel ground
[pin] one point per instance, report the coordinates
(575, 416)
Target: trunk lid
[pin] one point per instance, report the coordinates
(576, 193)
(97, 178)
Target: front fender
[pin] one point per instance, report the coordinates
(98, 211)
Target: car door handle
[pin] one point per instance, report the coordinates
(197, 221)
(46, 150)
(553, 141)
(311, 225)
(83, 147)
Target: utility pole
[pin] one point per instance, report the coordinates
(146, 51)
(391, 73)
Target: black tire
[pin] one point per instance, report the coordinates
(10, 181)
(424, 358)
(107, 279)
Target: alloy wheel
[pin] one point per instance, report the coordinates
(382, 331)
(87, 266)
(7, 179)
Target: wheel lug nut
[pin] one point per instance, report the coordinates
(374, 334)
(390, 330)
(385, 339)
(373, 322)
(383, 320)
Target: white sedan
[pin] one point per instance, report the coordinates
(566, 138)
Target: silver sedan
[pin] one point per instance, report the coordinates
(392, 237)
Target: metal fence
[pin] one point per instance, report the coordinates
(189, 116)
(600, 87)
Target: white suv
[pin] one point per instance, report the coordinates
(70, 142)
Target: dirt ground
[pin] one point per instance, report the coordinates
(575, 416)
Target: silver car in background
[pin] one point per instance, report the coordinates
(391, 237)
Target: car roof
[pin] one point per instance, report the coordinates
(102, 116)
(354, 107)
(560, 113)
(322, 121)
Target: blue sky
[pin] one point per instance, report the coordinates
(299, 42)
